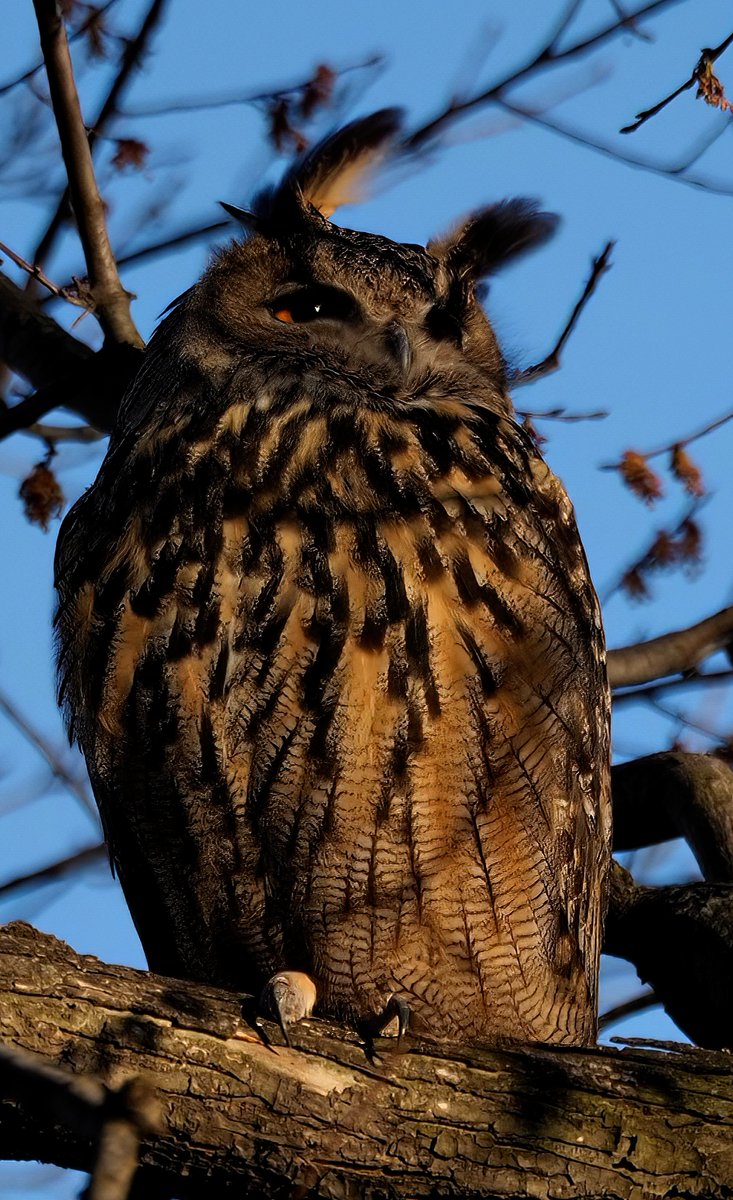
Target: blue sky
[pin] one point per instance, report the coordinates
(652, 348)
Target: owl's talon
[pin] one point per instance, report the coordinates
(288, 997)
(395, 1008)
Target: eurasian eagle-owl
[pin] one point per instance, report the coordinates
(328, 640)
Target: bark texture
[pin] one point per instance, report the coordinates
(522, 1121)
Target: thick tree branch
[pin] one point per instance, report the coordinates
(672, 653)
(32, 343)
(111, 301)
(672, 795)
(530, 1121)
(67, 373)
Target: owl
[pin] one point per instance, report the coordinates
(328, 641)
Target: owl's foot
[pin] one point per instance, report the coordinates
(289, 996)
(393, 1019)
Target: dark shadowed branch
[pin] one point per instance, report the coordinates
(49, 753)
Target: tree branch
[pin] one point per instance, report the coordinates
(672, 653)
(675, 794)
(134, 50)
(111, 301)
(238, 1115)
(32, 343)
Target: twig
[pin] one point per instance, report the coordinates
(651, 691)
(629, 22)
(561, 414)
(112, 302)
(134, 50)
(670, 446)
(48, 753)
(551, 362)
(707, 57)
(94, 15)
(53, 434)
(55, 870)
(638, 1004)
(62, 293)
(197, 104)
(676, 171)
(672, 653)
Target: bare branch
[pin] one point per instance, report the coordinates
(548, 56)
(111, 301)
(92, 17)
(227, 99)
(36, 273)
(52, 435)
(672, 653)
(676, 171)
(653, 690)
(551, 362)
(48, 753)
(56, 870)
(707, 57)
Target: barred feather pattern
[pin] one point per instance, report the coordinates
(336, 666)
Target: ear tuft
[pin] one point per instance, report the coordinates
(335, 171)
(494, 236)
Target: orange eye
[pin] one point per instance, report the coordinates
(283, 314)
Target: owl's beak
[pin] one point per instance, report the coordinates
(398, 344)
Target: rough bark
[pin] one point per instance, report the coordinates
(529, 1121)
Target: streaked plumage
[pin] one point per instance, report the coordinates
(328, 640)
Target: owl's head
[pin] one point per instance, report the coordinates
(337, 299)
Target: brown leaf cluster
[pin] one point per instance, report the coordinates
(710, 89)
(286, 113)
(41, 495)
(688, 472)
(680, 547)
(639, 476)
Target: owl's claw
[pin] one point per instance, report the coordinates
(288, 996)
(395, 1009)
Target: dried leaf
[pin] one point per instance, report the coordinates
(710, 89)
(130, 153)
(664, 550)
(41, 495)
(318, 91)
(283, 134)
(639, 476)
(635, 585)
(690, 541)
(688, 473)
